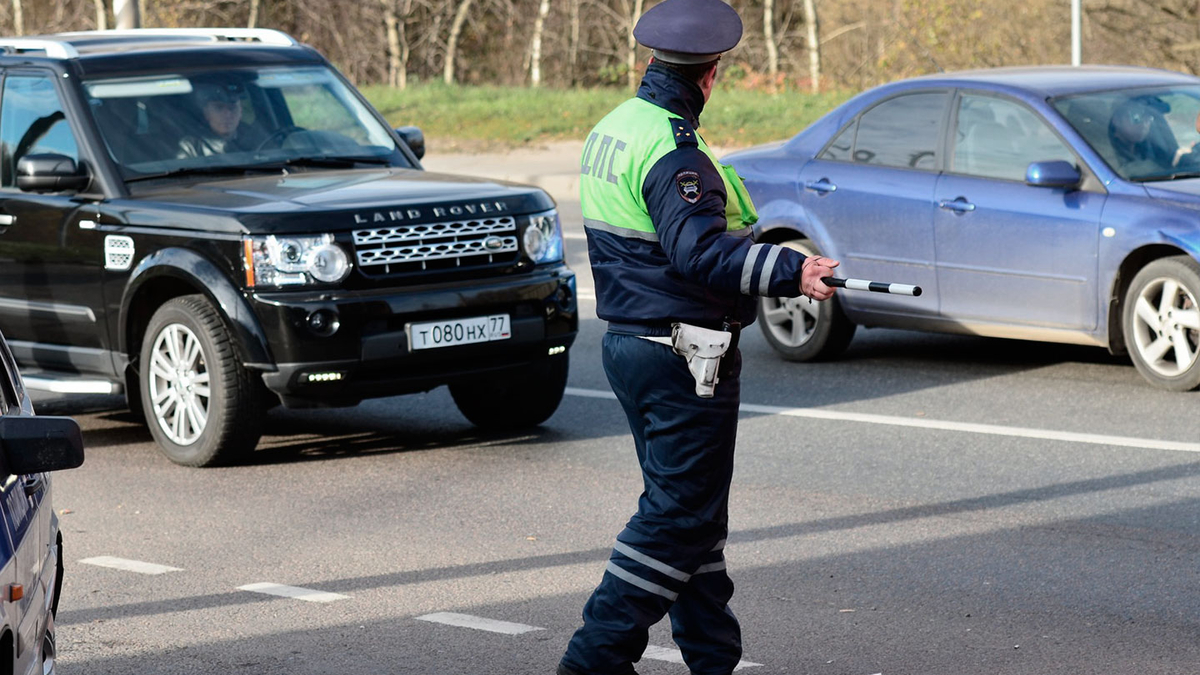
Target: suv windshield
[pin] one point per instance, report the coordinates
(1144, 134)
(221, 120)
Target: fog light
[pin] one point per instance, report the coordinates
(323, 377)
(323, 323)
(556, 350)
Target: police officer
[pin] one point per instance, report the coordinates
(669, 239)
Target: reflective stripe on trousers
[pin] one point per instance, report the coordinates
(670, 556)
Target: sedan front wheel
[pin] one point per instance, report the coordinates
(1162, 323)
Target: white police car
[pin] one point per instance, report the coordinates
(31, 544)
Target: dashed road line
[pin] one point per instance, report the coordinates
(129, 565)
(306, 594)
(478, 623)
(673, 655)
(942, 425)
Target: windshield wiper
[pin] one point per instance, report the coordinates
(227, 170)
(335, 161)
(1168, 176)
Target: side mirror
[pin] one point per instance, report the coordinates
(50, 173)
(414, 138)
(1056, 174)
(37, 444)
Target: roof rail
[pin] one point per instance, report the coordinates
(55, 49)
(263, 35)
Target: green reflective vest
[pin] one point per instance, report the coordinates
(619, 154)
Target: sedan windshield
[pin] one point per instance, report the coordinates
(1144, 134)
(218, 122)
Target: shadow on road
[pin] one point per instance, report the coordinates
(895, 516)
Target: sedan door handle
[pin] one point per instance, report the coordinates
(822, 186)
(959, 206)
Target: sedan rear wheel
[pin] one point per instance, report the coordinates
(1162, 323)
(803, 330)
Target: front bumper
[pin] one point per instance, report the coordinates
(369, 355)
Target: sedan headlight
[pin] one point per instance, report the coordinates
(294, 260)
(543, 238)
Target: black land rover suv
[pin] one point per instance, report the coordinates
(214, 221)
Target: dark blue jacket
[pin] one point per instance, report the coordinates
(696, 272)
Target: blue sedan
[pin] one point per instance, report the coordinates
(1054, 204)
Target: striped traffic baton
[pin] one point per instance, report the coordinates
(874, 286)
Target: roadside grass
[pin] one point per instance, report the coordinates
(485, 117)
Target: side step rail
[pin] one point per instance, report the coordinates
(69, 384)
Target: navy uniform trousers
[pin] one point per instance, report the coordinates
(670, 556)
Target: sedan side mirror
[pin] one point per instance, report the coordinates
(414, 138)
(50, 173)
(37, 444)
(1056, 174)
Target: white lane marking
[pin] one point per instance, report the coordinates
(673, 655)
(129, 565)
(572, 235)
(586, 295)
(478, 623)
(306, 594)
(941, 425)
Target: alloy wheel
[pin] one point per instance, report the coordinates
(792, 321)
(1166, 327)
(179, 384)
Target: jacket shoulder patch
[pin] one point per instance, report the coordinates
(688, 183)
(683, 133)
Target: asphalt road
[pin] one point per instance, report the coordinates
(927, 505)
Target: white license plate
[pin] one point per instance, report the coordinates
(433, 334)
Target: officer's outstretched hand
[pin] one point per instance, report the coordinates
(812, 270)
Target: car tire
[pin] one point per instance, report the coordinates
(1161, 323)
(186, 347)
(800, 330)
(514, 401)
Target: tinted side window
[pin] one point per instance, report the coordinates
(902, 132)
(31, 121)
(996, 138)
(839, 149)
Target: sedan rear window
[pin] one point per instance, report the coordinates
(902, 132)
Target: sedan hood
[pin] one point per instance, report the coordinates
(336, 200)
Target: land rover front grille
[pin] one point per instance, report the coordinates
(447, 246)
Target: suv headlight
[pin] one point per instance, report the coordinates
(294, 260)
(543, 238)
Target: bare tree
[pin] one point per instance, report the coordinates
(814, 45)
(101, 15)
(573, 43)
(252, 21)
(18, 18)
(391, 21)
(535, 67)
(631, 56)
(460, 17)
(127, 13)
(769, 37)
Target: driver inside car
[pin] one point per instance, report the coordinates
(221, 130)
